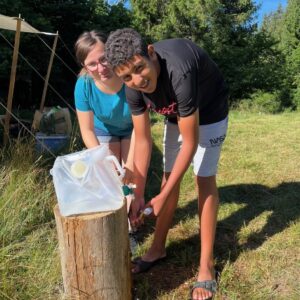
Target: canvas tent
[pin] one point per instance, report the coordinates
(19, 25)
(10, 23)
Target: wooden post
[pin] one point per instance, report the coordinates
(94, 250)
(12, 80)
(48, 73)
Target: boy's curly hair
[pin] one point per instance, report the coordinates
(122, 45)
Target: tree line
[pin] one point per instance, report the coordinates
(261, 63)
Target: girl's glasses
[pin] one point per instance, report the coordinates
(93, 66)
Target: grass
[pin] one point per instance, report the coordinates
(258, 232)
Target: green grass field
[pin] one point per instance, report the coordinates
(257, 246)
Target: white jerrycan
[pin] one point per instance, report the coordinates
(88, 181)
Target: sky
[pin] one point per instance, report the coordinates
(268, 6)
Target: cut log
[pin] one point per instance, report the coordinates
(94, 251)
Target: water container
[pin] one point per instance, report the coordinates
(88, 181)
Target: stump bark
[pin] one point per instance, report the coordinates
(94, 251)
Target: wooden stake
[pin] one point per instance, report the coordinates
(94, 250)
(48, 73)
(12, 80)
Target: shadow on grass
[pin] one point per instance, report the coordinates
(282, 203)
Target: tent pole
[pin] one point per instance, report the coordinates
(48, 73)
(12, 80)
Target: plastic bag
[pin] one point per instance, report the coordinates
(87, 181)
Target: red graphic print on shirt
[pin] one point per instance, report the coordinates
(170, 110)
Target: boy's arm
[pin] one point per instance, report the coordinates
(188, 127)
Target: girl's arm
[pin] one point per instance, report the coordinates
(141, 160)
(86, 124)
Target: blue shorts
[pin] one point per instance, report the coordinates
(106, 137)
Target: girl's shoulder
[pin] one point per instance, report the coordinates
(84, 83)
(84, 79)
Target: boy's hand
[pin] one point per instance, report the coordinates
(157, 203)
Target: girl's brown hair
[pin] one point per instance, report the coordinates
(85, 43)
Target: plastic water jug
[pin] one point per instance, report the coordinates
(88, 181)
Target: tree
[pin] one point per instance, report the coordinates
(226, 29)
(291, 41)
(284, 26)
(69, 18)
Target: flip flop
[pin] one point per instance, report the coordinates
(144, 266)
(209, 285)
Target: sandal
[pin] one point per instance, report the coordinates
(144, 266)
(209, 285)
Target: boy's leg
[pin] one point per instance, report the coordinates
(171, 145)
(157, 249)
(205, 168)
(208, 202)
(163, 223)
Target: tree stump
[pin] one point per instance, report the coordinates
(94, 250)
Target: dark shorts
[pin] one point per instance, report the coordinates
(106, 137)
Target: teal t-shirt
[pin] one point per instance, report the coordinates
(111, 111)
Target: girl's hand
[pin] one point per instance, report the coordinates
(137, 205)
(128, 177)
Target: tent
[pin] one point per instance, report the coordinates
(19, 25)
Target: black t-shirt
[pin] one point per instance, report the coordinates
(188, 80)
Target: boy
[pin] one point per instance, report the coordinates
(175, 78)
